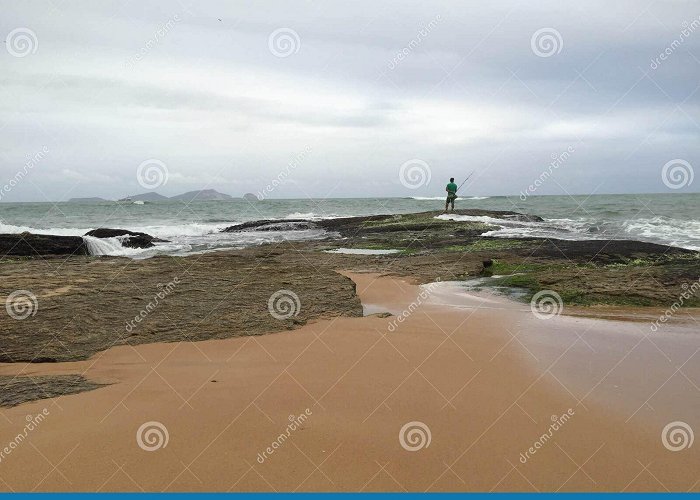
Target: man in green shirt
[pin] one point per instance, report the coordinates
(451, 194)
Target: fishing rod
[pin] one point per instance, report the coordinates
(465, 180)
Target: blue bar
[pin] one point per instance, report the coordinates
(344, 496)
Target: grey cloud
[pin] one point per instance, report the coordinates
(210, 99)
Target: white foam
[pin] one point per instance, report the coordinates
(684, 234)
(58, 231)
(192, 229)
(310, 216)
(109, 246)
(159, 231)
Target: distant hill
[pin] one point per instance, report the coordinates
(146, 197)
(203, 195)
(94, 199)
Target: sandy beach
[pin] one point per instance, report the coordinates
(479, 376)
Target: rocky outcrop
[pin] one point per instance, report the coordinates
(16, 390)
(28, 244)
(131, 239)
(352, 226)
(272, 225)
(376, 223)
(600, 251)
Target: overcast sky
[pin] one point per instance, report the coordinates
(222, 99)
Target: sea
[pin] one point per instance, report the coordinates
(195, 227)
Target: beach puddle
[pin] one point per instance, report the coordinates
(490, 284)
(362, 251)
(474, 293)
(372, 309)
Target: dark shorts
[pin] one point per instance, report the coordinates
(451, 198)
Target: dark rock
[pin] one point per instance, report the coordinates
(421, 221)
(381, 315)
(272, 225)
(599, 251)
(488, 263)
(28, 244)
(16, 390)
(42, 359)
(131, 239)
(289, 226)
(499, 214)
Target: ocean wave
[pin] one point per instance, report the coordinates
(192, 229)
(662, 230)
(109, 246)
(196, 244)
(160, 231)
(683, 233)
(58, 231)
(311, 216)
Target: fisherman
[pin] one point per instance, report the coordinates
(451, 194)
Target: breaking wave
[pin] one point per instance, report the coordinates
(674, 232)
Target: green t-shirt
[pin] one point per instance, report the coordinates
(452, 188)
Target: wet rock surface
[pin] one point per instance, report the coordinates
(32, 245)
(131, 239)
(88, 304)
(272, 225)
(17, 390)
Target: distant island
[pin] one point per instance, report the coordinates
(145, 197)
(201, 195)
(93, 199)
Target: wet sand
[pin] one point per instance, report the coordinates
(481, 374)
